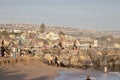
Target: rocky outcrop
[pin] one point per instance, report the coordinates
(90, 58)
(113, 61)
(94, 58)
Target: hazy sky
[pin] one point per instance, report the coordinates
(85, 14)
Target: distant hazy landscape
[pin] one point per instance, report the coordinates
(59, 39)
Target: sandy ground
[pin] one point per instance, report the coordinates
(40, 71)
(29, 71)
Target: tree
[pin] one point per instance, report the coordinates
(61, 33)
(42, 28)
(81, 34)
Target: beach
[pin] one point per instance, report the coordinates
(29, 71)
(23, 71)
(39, 71)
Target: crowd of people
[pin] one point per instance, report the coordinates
(8, 51)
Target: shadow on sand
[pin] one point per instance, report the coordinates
(43, 78)
(11, 75)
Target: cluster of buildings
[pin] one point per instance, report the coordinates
(28, 35)
(35, 38)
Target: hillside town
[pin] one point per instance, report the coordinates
(60, 46)
(23, 33)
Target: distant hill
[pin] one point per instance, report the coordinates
(67, 30)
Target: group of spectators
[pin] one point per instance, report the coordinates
(4, 49)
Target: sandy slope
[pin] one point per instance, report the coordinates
(29, 71)
(36, 70)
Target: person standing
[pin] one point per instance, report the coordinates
(2, 50)
(14, 52)
(2, 42)
(105, 71)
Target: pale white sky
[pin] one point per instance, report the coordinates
(85, 14)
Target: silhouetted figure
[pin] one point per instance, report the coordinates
(88, 78)
(2, 42)
(90, 46)
(74, 45)
(2, 50)
(60, 45)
